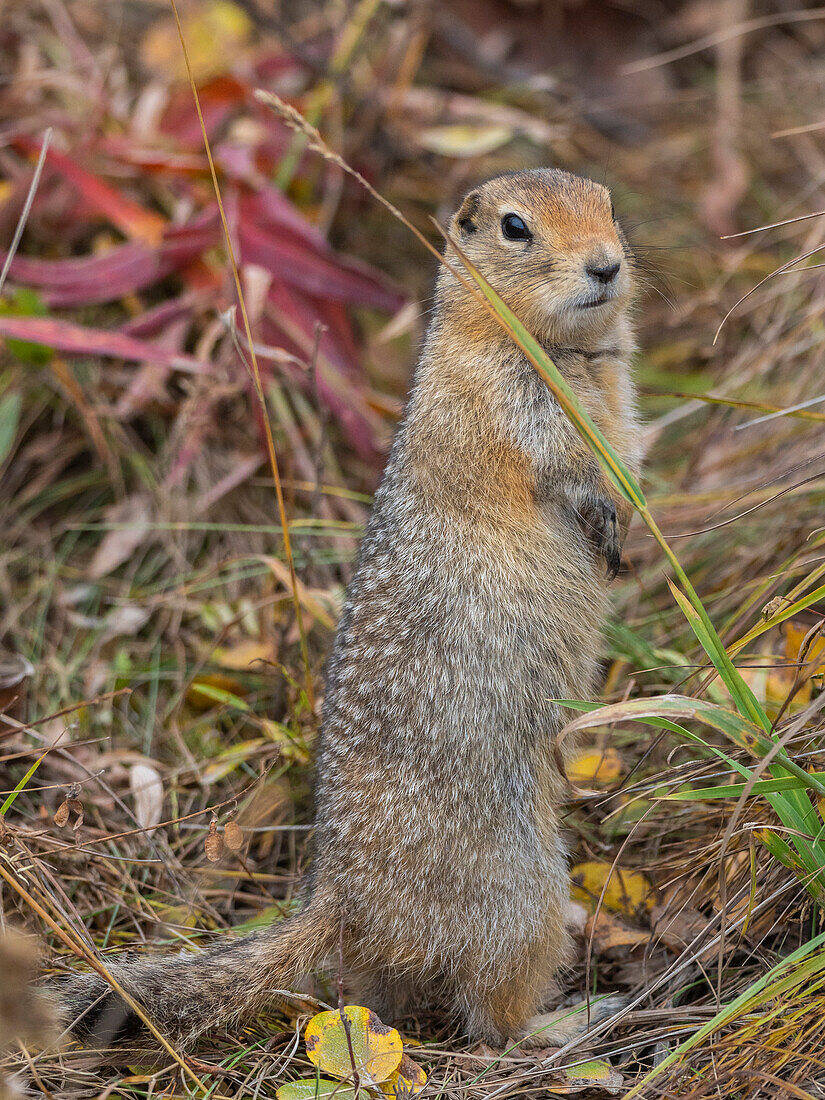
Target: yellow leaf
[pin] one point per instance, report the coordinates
(408, 1080)
(376, 1048)
(213, 31)
(794, 637)
(589, 1075)
(291, 746)
(229, 759)
(627, 891)
(185, 916)
(773, 685)
(198, 694)
(462, 139)
(595, 766)
(778, 685)
(245, 656)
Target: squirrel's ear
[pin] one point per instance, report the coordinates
(463, 219)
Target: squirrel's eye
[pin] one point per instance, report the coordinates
(612, 211)
(514, 229)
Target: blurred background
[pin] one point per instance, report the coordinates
(149, 650)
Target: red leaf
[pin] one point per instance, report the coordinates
(150, 159)
(296, 315)
(153, 321)
(271, 209)
(278, 239)
(78, 340)
(128, 216)
(340, 334)
(219, 98)
(126, 268)
(290, 322)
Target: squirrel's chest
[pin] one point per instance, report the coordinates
(491, 622)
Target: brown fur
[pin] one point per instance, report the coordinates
(477, 600)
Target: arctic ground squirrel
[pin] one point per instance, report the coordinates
(438, 860)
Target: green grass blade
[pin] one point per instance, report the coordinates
(743, 733)
(781, 978)
(788, 612)
(712, 644)
(734, 790)
(7, 805)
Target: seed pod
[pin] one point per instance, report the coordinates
(213, 845)
(76, 806)
(61, 814)
(233, 836)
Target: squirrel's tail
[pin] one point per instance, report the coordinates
(186, 995)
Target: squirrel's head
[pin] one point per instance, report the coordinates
(550, 244)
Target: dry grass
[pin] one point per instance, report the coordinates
(142, 572)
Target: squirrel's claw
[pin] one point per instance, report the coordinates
(601, 525)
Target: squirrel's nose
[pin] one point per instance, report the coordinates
(605, 274)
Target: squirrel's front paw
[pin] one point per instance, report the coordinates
(601, 525)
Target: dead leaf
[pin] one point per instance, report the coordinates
(309, 598)
(677, 927)
(14, 669)
(147, 790)
(408, 1080)
(124, 621)
(131, 520)
(61, 814)
(609, 933)
(249, 655)
(76, 806)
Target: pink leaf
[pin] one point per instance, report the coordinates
(273, 237)
(79, 340)
(126, 268)
(290, 322)
(129, 217)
